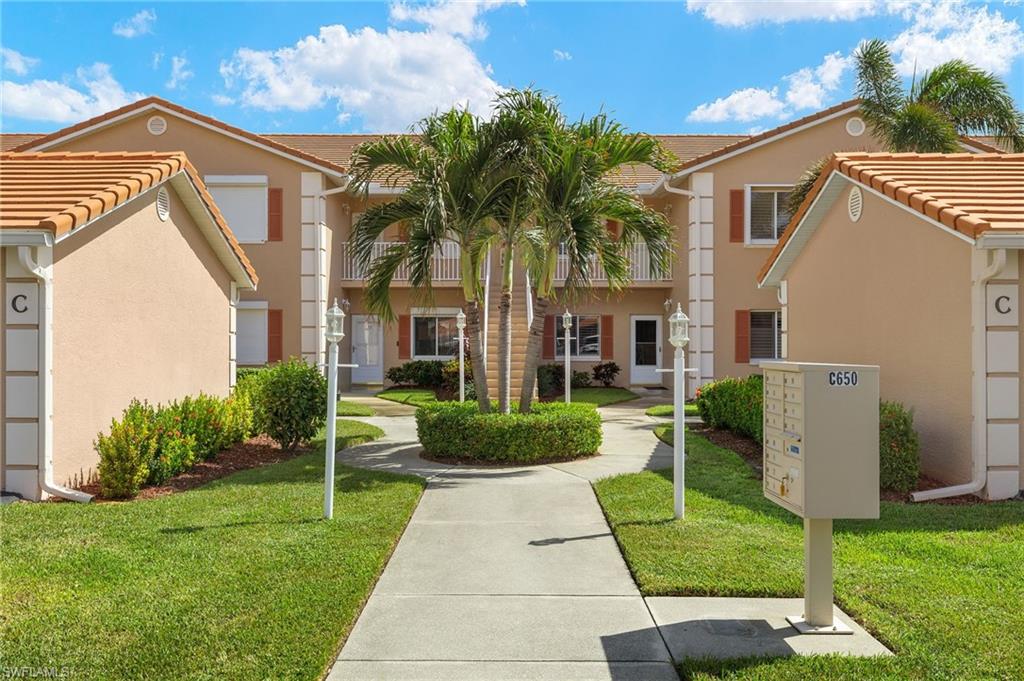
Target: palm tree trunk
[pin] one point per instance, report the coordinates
(534, 346)
(476, 355)
(505, 335)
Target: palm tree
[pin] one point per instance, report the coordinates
(573, 202)
(953, 99)
(450, 194)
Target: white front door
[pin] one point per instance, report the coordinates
(644, 349)
(367, 349)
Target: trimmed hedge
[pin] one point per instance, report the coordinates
(899, 449)
(734, 404)
(419, 373)
(552, 431)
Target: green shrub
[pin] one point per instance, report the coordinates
(203, 419)
(248, 390)
(734, 404)
(898, 448)
(294, 400)
(450, 378)
(238, 419)
(246, 372)
(419, 373)
(605, 373)
(126, 452)
(549, 379)
(580, 379)
(552, 431)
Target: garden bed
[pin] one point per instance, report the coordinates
(458, 433)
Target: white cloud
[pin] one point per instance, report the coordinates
(736, 13)
(944, 30)
(810, 88)
(180, 73)
(222, 100)
(47, 100)
(140, 23)
(562, 55)
(389, 80)
(454, 17)
(742, 105)
(16, 62)
(157, 58)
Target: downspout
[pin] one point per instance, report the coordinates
(697, 266)
(979, 407)
(45, 364)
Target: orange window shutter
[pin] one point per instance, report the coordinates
(275, 214)
(404, 336)
(607, 336)
(742, 336)
(275, 335)
(548, 348)
(737, 199)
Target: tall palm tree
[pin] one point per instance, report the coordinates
(953, 99)
(450, 193)
(573, 199)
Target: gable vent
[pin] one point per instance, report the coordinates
(157, 125)
(855, 204)
(163, 204)
(855, 126)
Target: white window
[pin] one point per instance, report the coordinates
(584, 337)
(242, 200)
(765, 334)
(251, 333)
(767, 215)
(434, 336)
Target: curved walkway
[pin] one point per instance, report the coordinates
(508, 573)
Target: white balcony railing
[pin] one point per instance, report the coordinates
(639, 267)
(446, 262)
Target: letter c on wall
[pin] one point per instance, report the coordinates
(19, 303)
(1003, 305)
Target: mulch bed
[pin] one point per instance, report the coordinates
(751, 452)
(253, 453)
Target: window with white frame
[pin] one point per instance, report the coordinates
(434, 336)
(767, 215)
(251, 333)
(584, 337)
(765, 334)
(242, 200)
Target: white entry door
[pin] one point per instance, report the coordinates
(644, 349)
(367, 349)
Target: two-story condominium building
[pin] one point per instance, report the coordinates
(284, 197)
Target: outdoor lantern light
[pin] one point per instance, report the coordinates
(679, 328)
(335, 323)
(567, 320)
(460, 324)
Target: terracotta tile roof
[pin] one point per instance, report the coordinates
(748, 141)
(338, 148)
(11, 140)
(171, 106)
(985, 143)
(60, 191)
(969, 193)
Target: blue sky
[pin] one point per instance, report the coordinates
(661, 67)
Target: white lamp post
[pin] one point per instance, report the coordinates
(334, 332)
(678, 336)
(460, 324)
(566, 327)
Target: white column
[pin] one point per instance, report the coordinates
(233, 335)
(1002, 381)
(701, 226)
(313, 303)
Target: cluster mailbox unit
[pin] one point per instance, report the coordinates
(821, 463)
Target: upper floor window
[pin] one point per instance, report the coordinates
(242, 200)
(767, 215)
(584, 337)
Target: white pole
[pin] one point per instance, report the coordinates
(568, 369)
(678, 445)
(332, 418)
(462, 369)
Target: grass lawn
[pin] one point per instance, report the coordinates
(667, 410)
(941, 585)
(238, 579)
(601, 397)
(411, 396)
(346, 408)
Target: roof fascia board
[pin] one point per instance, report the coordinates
(766, 140)
(154, 106)
(993, 240)
(25, 237)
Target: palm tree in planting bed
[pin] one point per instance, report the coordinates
(451, 173)
(953, 99)
(573, 204)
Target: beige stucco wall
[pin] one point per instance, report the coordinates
(141, 309)
(736, 264)
(895, 291)
(213, 153)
